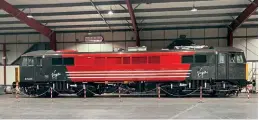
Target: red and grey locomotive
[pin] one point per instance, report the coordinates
(219, 70)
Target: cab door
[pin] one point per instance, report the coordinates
(237, 66)
(222, 66)
(38, 69)
(27, 69)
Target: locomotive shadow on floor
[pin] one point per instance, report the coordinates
(133, 96)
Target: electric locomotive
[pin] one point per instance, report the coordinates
(180, 71)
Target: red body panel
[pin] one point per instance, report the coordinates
(139, 66)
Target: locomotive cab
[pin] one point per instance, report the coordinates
(232, 67)
(31, 69)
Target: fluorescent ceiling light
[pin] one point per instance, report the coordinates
(194, 9)
(110, 12)
(29, 16)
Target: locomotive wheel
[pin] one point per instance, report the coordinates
(88, 94)
(222, 94)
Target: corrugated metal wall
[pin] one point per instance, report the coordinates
(156, 39)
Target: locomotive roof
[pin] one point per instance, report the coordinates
(215, 49)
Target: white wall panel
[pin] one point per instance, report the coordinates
(223, 32)
(107, 36)
(119, 36)
(60, 46)
(94, 47)
(11, 55)
(69, 37)
(145, 35)
(252, 49)
(70, 46)
(119, 45)
(44, 38)
(10, 39)
(1, 75)
(240, 32)
(240, 43)
(106, 47)
(212, 32)
(130, 44)
(158, 34)
(157, 45)
(22, 38)
(18, 49)
(34, 38)
(1, 54)
(10, 74)
(82, 47)
(171, 34)
(197, 33)
(252, 31)
(147, 44)
(2, 38)
(130, 35)
(199, 42)
(59, 37)
(212, 42)
(21, 48)
(186, 32)
(222, 42)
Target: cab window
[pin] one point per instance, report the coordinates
(62, 61)
(39, 61)
(236, 58)
(187, 59)
(200, 59)
(56, 61)
(28, 61)
(222, 58)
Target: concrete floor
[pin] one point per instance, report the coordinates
(128, 107)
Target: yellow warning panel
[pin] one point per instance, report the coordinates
(17, 74)
(246, 71)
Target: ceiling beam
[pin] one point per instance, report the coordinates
(136, 10)
(29, 21)
(133, 21)
(128, 18)
(250, 9)
(100, 15)
(124, 30)
(127, 24)
(97, 3)
(244, 15)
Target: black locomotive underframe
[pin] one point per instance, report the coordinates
(211, 87)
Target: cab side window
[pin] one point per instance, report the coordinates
(63, 61)
(222, 58)
(39, 61)
(68, 61)
(56, 61)
(200, 59)
(232, 58)
(236, 58)
(28, 61)
(187, 59)
(24, 61)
